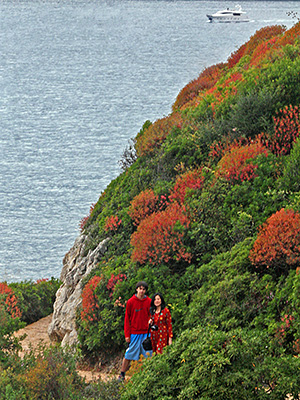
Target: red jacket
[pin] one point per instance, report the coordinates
(137, 315)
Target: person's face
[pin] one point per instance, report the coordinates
(157, 301)
(140, 292)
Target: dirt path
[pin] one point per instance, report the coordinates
(37, 334)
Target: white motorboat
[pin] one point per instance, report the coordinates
(236, 15)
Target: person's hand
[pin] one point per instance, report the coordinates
(170, 341)
(127, 339)
(150, 321)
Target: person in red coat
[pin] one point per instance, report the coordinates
(161, 324)
(136, 326)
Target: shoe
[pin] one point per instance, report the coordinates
(121, 378)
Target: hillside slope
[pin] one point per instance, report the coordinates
(207, 211)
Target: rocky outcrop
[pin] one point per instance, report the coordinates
(76, 266)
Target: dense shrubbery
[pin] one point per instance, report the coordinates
(47, 373)
(209, 363)
(207, 212)
(25, 301)
(35, 298)
(212, 222)
(50, 374)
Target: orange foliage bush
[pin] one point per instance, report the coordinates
(262, 35)
(189, 180)
(9, 301)
(236, 166)
(206, 80)
(144, 204)
(290, 36)
(286, 131)
(112, 223)
(262, 50)
(278, 241)
(285, 327)
(219, 149)
(156, 134)
(296, 346)
(89, 300)
(52, 375)
(159, 237)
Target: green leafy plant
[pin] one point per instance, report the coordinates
(36, 299)
(51, 374)
(207, 363)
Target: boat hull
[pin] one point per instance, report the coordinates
(213, 18)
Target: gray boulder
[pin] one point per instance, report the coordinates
(76, 266)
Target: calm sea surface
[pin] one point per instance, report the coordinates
(77, 81)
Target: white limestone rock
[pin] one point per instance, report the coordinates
(68, 297)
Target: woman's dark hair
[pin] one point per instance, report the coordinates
(152, 306)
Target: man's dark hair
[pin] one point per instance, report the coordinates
(142, 283)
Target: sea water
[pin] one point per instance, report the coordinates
(78, 78)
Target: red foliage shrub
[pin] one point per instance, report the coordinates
(112, 223)
(9, 301)
(89, 300)
(278, 243)
(144, 204)
(262, 50)
(285, 327)
(38, 281)
(156, 134)
(235, 165)
(290, 36)
(206, 80)
(113, 281)
(231, 80)
(189, 180)
(296, 346)
(219, 149)
(286, 131)
(159, 237)
(262, 35)
(84, 220)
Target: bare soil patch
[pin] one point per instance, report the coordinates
(37, 335)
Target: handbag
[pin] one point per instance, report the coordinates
(146, 343)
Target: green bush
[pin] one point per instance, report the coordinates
(100, 331)
(206, 363)
(101, 390)
(9, 344)
(10, 389)
(253, 111)
(36, 298)
(51, 374)
(290, 180)
(187, 147)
